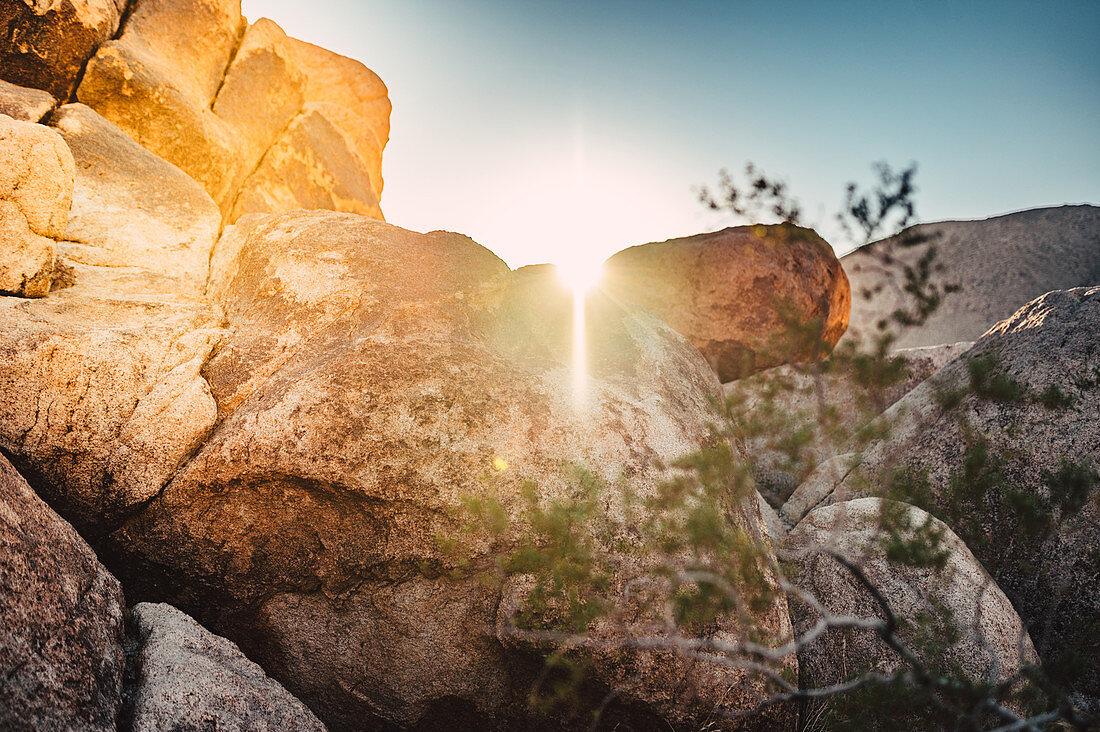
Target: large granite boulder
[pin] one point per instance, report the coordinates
(1006, 440)
(264, 122)
(131, 208)
(951, 615)
(371, 380)
(748, 297)
(61, 627)
(101, 396)
(186, 678)
(47, 42)
(36, 190)
(827, 405)
(1000, 263)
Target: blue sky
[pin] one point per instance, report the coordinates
(549, 130)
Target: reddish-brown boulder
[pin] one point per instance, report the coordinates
(748, 297)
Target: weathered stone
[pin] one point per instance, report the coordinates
(825, 403)
(777, 530)
(261, 94)
(990, 464)
(46, 42)
(194, 38)
(733, 292)
(100, 392)
(131, 208)
(24, 104)
(36, 189)
(188, 679)
(1000, 263)
(61, 630)
(313, 165)
(818, 487)
(970, 626)
(372, 378)
(135, 89)
(354, 99)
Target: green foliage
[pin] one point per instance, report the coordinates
(987, 381)
(1054, 398)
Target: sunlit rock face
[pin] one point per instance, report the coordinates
(61, 627)
(47, 42)
(734, 293)
(1049, 571)
(101, 396)
(265, 122)
(371, 378)
(36, 190)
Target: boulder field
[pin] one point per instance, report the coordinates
(241, 417)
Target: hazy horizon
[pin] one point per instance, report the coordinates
(545, 130)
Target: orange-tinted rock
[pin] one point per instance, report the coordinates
(736, 293)
(47, 42)
(314, 165)
(373, 378)
(134, 89)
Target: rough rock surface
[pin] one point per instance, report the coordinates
(24, 104)
(190, 82)
(984, 636)
(313, 165)
(141, 85)
(1050, 572)
(824, 403)
(729, 292)
(353, 97)
(61, 629)
(36, 189)
(46, 42)
(131, 208)
(188, 679)
(1001, 264)
(371, 378)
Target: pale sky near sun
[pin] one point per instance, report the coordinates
(564, 130)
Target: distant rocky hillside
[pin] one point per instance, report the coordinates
(1000, 263)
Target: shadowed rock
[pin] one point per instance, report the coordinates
(24, 104)
(61, 658)
(47, 42)
(971, 626)
(1011, 473)
(190, 680)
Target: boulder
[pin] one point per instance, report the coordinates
(953, 617)
(736, 293)
(313, 165)
(36, 189)
(818, 487)
(23, 104)
(47, 42)
(1001, 264)
(186, 678)
(61, 628)
(353, 97)
(371, 380)
(131, 208)
(1006, 440)
(829, 404)
(261, 94)
(136, 90)
(101, 396)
